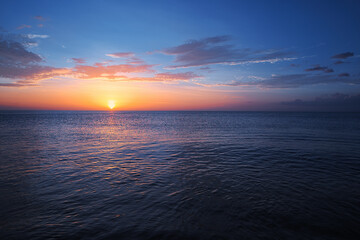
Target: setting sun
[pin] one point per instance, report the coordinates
(111, 104)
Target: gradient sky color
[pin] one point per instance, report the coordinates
(180, 55)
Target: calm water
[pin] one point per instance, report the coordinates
(179, 175)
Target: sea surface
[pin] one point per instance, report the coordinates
(179, 175)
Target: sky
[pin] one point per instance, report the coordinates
(180, 55)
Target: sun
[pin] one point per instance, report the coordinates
(111, 104)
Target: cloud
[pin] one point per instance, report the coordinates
(175, 76)
(24, 72)
(319, 68)
(343, 55)
(21, 65)
(109, 72)
(32, 44)
(79, 60)
(40, 18)
(30, 75)
(135, 60)
(25, 68)
(31, 36)
(12, 85)
(215, 50)
(14, 53)
(18, 63)
(205, 68)
(163, 77)
(129, 56)
(336, 101)
(120, 54)
(23, 26)
(294, 81)
(120, 72)
(339, 62)
(344, 75)
(40, 25)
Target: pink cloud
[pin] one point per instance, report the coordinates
(23, 26)
(99, 64)
(101, 71)
(120, 54)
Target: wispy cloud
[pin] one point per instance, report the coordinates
(79, 60)
(216, 50)
(14, 85)
(159, 77)
(30, 75)
(319, 68)
(344, 75)
(294, 81)
(109, 72)
(120, 54)
(128, 56)
(135, 60)
(175, 76)
(40, 18)
(343, 55)
(23, 26)
(31, 36)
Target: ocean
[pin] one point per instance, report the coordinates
(179, 175)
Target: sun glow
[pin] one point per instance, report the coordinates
(111, 104)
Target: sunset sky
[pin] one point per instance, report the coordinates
(180, 55)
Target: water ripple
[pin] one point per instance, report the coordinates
(179, 175)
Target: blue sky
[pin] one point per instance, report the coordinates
(276, 54)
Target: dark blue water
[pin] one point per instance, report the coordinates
(179, 175)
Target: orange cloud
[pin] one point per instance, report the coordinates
(50, 72)
(110, 72)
